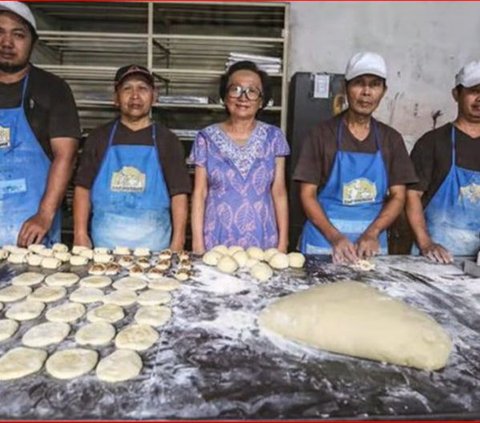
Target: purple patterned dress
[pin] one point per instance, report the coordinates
(239, 206)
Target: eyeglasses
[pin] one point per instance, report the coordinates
(236, 91)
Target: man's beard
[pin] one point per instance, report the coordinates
(12, 68)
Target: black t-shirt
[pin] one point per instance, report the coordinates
(320, 147)
(49, 106)
(432, 158)
(170, 150)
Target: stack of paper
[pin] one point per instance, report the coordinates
(265, 63)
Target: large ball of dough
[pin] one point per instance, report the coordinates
(262, 272)
(233, 249)
(279, 261)
(227, 264)
(296, 260)
(255, 253)
(268, 254)
(240, 257)
(222, 249)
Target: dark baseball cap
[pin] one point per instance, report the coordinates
(126, 71)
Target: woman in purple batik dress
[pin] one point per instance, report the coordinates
(240, 195)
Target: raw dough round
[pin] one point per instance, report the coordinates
(241, 258)
(154, 274)
(35, 247)
(279, 261)
(97, 333)
(77, 249)
(136, 337)
(95, 281)
(143, 262)
(113, 269)
(234, 249)
(3, 254)
(222, 249)
(121, 251)
(119, 366)
(255, 253)
(296, 260)
(50, 263)
(164, 284)
(262, 272)
(141, 252)
(153, 315)
(27, 279)
(86, 295)
(62, 279)
(211, 257)
(109, 313)
(74, 362)
(17, 258)
(34, 260)
(87, 253)
(78, 261)
(251, 262)
(7, 328)
(363, 265)
(130, 283)
(46, 334)
(97, 269)
(26, 310)
(181, 275)
(153, 297)
(46, 252)
(59, 248)
(268, 254)
(353, 318)
(121, 297)
(101, 250)
(21, 362)
(126, 261)
(67, 313)
(14, 293)
(227, 264)
(102, 258)
(48, 294)
(63, 257)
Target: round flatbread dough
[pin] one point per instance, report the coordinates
(34, 260)
(155, 274)
(98, 333)
(279, 261)
(46, 334)
(102, 258)
(268, 254)
(130, 283)
(222, 249)
(67, 313)
(296, 260)
(35, 247)
(141, 252)
(77, 249)
(101, 250)
(28, 279)
(86, 295)
(78, 260)
(251, 262)
(14, 293)
(136, 337)
(95, 281)
(63, 257)
(255, 253)
(26, 310)
(15, 258)
(119, 366)
(121, 297)
(153, 315)
(7, 328)
(109, 313)
(50, 263)
(165, 284)
(227, 264)
(74, 362)
(234, 249)
(48, 294)
(21, 362)
(121, 251)
(262, 272)
(153, 297)
(59, 248)
(62, 279)
(240, 257)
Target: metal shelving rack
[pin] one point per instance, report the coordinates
(185, 44)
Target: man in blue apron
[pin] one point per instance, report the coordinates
(39, 131)
(443, 208)
(132, 179)
(353, 170)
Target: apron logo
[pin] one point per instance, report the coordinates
(471, 192)
(128, 179)
(359, 191)
(4, 137)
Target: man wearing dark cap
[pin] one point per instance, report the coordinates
(444, 206)
(132, 177)
(39, 132)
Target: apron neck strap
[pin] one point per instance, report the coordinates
(453, 139)
(24, 89)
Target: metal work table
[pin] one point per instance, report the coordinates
(212, 361)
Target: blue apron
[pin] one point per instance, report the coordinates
(24, 169)
(352, 197)
(453, 213)
(130, 199)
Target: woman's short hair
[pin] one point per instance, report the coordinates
(250, 66)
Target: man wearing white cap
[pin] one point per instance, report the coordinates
(443, 208)
(39, 132)
(352, 172)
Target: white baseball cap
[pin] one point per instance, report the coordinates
(20, 9)
(366, 63)
(469, 75)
